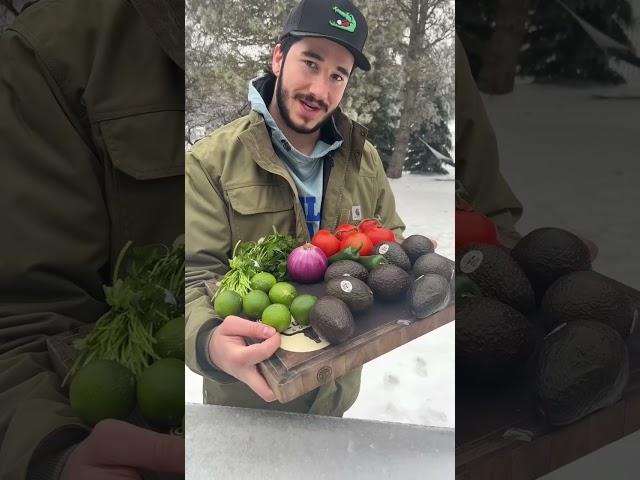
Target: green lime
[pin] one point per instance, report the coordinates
(255, 302)
(277, 316)
(161, 392)
(170, 339)
(301, 307)
(283, 292)
(263, 281)
(227, 303)
(102, 389)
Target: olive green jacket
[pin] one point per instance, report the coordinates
(477, 165)
(237, 189)
(91, 135)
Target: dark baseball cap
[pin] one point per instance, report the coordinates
(337, 20)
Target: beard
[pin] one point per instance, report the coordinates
(282, 98)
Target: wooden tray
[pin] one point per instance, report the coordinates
(379, 330)
(501, 434)
(62, 354)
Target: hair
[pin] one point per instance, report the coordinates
(285, 45)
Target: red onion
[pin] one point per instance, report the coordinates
(307, 264)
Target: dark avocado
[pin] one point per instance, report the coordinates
(497, 275)
(433, 263)
(355, 293)
(582, 366)
(348, 268)
(331, 318)
(464, 287)
(389, 283)
(416, 246)
(492, 341)
(588, 296)
(394, 254)
(548, 253)
(429, 294)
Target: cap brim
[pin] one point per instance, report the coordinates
(359, 59)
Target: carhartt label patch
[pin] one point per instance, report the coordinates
(347, 22)
(356, 212)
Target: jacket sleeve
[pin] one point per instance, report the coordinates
(207, 247)
(386, 202)
(53, 246)
(477, 165)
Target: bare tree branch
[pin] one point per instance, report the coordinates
(406, 10)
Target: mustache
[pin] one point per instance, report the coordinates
(311, 100)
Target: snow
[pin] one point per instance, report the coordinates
(570, 158)
(414, 383)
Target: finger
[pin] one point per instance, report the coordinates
(233, 325)
(258, 352)
(256, 382)
(593, 248)
(123, 444)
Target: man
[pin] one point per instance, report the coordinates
(91, 132)
(295, 162)
(477, 160)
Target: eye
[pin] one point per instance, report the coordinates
(310, 64)
(337, 77)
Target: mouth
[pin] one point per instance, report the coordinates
(309, 107)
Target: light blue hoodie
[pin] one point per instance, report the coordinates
(306, 170)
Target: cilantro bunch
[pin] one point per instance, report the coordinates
(149, 294)
(268, 254)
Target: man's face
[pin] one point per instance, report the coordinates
(311, 82)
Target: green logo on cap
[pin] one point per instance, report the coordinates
(347, 22)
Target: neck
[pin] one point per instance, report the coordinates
(303, 142)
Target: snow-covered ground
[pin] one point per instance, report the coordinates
(572, 160)
(414, 383)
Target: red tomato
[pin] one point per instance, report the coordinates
(378, 235)
(356, 240)
(368, 223)
(473, 227)
(345, 230)
(326, 241)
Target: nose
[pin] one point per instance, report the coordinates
(320, 89)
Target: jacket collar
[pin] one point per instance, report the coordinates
(166, 19)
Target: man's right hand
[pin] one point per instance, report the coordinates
(117, 450)
(229, 351)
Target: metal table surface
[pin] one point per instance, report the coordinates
(238, 443)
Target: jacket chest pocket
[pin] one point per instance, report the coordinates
(255, 209)
(358, 200)
(144, 177)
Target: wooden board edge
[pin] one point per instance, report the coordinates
(557, 447)
(321, 372)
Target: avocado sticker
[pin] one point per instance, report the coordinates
(347, 22)
(471, 261)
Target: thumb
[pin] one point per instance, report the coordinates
(258, 352)
(123, 444)
(237, 326)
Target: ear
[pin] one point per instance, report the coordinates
(276, 60)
